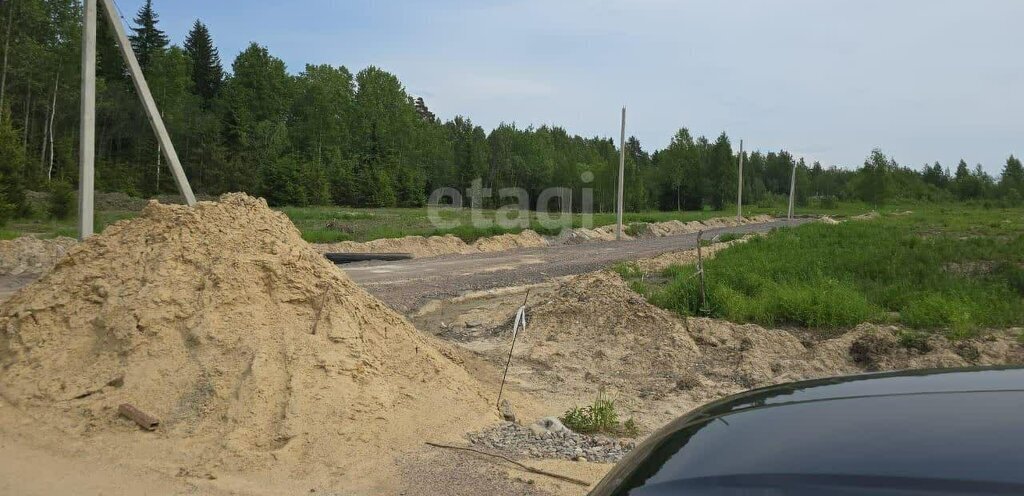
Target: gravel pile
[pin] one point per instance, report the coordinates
(515, 439)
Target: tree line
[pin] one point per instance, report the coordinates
(328, 136)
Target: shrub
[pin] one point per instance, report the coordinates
(635, 229)
(62, 200)
(828, 202)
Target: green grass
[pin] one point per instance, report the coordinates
(325, 224)
(599, 417)
(938, 269)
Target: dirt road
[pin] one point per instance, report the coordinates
(408, 284)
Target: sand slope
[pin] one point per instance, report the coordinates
(253, 350)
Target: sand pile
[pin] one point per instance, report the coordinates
(433, 246)
(30, 255)
(872, 215)
(595, 332)
(592, 332)
(253, 350)
(583, 235)
(676, 227)
(684, 257)
(525, 239)
(418, 246)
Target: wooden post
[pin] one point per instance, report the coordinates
(622, 168)
(87, 130)
(739, 189)
(148, 103)
(700, 272)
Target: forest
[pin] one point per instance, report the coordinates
(326, 135)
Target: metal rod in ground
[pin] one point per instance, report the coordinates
(513, 347)
(700, 270)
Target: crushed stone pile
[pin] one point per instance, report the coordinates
(31, 255)
(519, 440)
(252, 349)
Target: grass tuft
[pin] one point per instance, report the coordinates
(599, 417)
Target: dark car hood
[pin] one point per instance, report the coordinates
(915, 428)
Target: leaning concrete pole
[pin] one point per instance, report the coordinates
(739, 189)
(148, 103)
(622, 168)
(87, 129)
(792, 192)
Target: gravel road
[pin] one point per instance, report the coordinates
(408, 284)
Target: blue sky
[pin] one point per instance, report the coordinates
(925, 80)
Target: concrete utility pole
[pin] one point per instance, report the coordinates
(622, 168)
(792, 192)
(739, 189)
(87, 131)
(87, 136)
(148, 103)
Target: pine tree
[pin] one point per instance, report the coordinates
(148, 39)
(421, 108)
(1012, 182)
(207, 70)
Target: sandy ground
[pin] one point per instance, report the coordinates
(587, 333)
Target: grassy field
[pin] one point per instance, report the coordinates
(332, 223)
(955, 270)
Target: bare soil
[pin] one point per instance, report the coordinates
(265, 364)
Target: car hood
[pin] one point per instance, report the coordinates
(953, 426)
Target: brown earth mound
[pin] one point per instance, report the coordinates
(592, 332)
(252, 349)
(30, 255)
(595, 330)
(417, 246)
(525, 239)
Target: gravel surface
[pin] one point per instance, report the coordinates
(408, 284)
(516, 440)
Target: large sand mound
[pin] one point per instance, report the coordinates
(249, 346)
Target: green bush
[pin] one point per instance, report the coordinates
(62, 200)
(828, 202)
